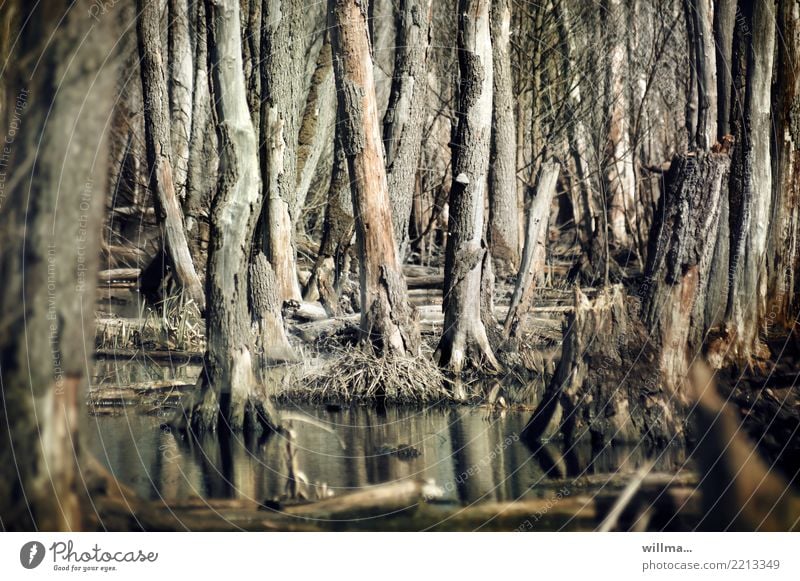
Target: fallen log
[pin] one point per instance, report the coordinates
(119, 274)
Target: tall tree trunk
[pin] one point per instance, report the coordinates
(724, 20)
(159, 148)
(405, 115)
(181, 87)
(227, 383)
(59, 99)
(751, 185)
(282, 73)
(386, 318)
(464, 339)
(784, 253)
(203, 157)
(704, 60)
(619, 178)
(503, 210)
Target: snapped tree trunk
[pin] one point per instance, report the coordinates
(604, 390)
(464, 339)
(503, 210)
(751, 185)
(58, 101)
(405, 114)
(282, 71)
(159, 148)
(227, 383)
(683, 240)
(387, 321)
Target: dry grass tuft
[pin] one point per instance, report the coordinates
(356, 374)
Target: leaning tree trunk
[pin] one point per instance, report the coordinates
(227, 383)
(405, 114)
(386, 318)
(503, 211)
(50, 229)
(337, 234)
(531, 269)
(751, 186)
(604, 390)
(784, 251)
(683, 240)
(181, 87)
(464, 339)
(282, 73)
(159, 148)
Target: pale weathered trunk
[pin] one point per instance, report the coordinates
(158, 146)
(751, 186)
(531, 270)
(724, 20)
(503, 209)
(405, 114)
(386, 318)
(228, 382)
(282, 70)
(464, 341)
(619, 177)
(50, 226)
(783, 252)
(181, 87)
(682, 245)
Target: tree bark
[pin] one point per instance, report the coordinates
(751, 186)
(682, 245)
(503, 211)
(386, 318)
(282, 72)
(405, 114)
(724, 20)
(704, 59)
(227, 383)
(464, 339)
(783, 253)
(181, 87)
(158, 145)
(59, 99)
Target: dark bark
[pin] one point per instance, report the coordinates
(386, 317)
(703, 59)
(724, 19)
(59, 98)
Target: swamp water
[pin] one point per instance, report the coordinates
(473, 454)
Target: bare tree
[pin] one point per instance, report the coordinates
(464, 339)
(386, 318)
(159, 150)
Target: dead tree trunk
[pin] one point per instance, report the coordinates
(386, 318)
(535, 238)
(158, 145)
(181, 87)
(228, 383)
(784, 252)
(682, 244)
(724, 20)
(604, 390)
(464, 341)
(282, 70)
(337, 234)
(50, 231)
(405, 114)
(751, 185)
(503, 211)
